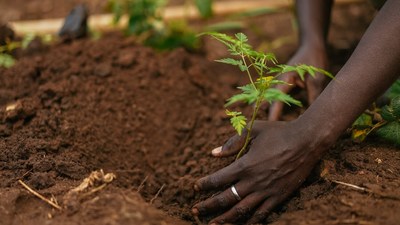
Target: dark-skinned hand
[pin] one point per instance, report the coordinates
(314, 85)
(280, 157)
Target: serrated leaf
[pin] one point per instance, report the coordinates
(232, 113)
(241, 37)
(230, 61)
(239, 123)
(390, 132)
(276, 95)
(249, 95)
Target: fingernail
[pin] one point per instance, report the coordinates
(213, 224)
(196, 187)
(195, 211)
(216, 151)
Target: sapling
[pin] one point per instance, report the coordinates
(263, 72)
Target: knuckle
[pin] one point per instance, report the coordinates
(242, 211)
(260, 215)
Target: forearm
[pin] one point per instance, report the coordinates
(313, 18)
(371, 69)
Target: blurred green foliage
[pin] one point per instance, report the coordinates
(146, 23)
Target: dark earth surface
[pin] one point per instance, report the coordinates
(152, 118)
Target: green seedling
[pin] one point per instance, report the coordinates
(6, 51)
(260, 87)
(146, 23)
(6, 58)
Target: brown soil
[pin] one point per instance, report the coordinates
(113, 105)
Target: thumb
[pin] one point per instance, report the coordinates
(231, 147)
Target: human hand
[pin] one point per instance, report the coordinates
(314, 85)
(278, 161)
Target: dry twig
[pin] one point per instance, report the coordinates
(158, 193)
(142, 184)
(55, 205)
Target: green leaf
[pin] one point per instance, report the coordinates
(361, 128)
(363, 121)
(273, 94)
(249, 95)
(204, 7)
(6, 60)
(390, 132)
(394, 89)
(230, 61)
(238, 121)
(28, 38)
(395, 104)
(387, 114)
(241, 37)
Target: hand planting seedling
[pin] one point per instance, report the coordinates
(260, 88)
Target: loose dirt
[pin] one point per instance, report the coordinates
(151, 118)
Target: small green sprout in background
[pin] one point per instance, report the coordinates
(6, 58)
(259, 89)
(6, 51)
(146, 23)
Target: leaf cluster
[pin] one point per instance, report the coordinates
(391, 114)
(145, 21)
(6, 58)
(387, 126)
(267, 71)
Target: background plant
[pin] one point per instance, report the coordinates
(260, 87)
(146, 23)
(7, 59)
(384, 122)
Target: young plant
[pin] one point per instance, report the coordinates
(260, 87)
(6, 58)
(146, 23)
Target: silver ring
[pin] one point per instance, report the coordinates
(235, 193)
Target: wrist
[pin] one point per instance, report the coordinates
(319, 137)
(312, 45)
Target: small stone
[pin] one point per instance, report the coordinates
(126, 59)
(102, 70)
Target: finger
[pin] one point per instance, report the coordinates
(222, 177)
(224, 200)
(264, 210)
(275, 111)
(231, 147)
(240, 210)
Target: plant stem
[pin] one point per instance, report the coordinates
(248, 72)
(253, 118)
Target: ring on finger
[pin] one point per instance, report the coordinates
(235, 193)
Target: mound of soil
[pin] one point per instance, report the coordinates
(151, 119)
